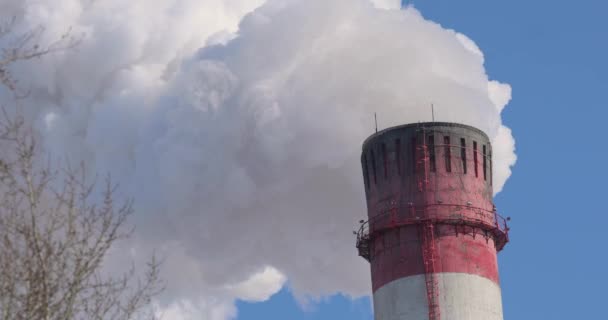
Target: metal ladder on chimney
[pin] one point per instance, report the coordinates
(427, 231)
(427, 236)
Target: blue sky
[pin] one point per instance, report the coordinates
(553, 55)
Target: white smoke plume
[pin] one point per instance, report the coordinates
(237, 127)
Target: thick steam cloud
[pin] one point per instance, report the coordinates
(241, 144)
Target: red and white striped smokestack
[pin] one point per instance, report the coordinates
(433, 231)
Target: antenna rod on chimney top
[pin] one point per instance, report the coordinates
(433, 111)
(376, 121)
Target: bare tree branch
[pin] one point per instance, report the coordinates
(27, 46)
(56, 226)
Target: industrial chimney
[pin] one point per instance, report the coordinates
(433, 231)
